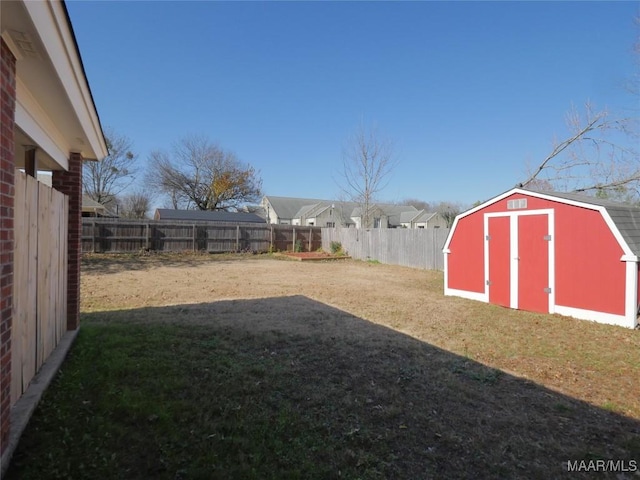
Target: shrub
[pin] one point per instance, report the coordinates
(336, 248)
(298, 246)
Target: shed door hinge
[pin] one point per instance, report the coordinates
(547, 290)
(487, 237)
(489, 282)
(547, 238)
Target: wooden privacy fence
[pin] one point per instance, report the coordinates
(117, 235)
(418, 248)
(39, 278)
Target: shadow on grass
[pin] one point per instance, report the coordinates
(292, 388)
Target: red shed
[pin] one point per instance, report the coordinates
(548, 252)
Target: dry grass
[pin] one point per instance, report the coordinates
(596, 363)
(328, 370)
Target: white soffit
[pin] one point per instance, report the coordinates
(54, 104)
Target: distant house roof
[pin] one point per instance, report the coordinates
(304, 211)
(207, 216)
(90, 205)
(373, 209)
(424, 216)
(290, 208)
(287, 207)
(408, 216)
(257, 209)
(394, 212)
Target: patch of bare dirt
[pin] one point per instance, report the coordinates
(310, 256)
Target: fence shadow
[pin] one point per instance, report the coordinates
(432, 413)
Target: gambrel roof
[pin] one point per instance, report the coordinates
(625, 218)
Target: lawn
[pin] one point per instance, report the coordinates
(249, 367)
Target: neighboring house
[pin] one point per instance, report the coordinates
(422, 219)
(378, 217)
(48, 122)
(91, 208)
(324, 214)
(331, 213)
(283, 210)
(257, 209)
(548, 252)
(206, 216)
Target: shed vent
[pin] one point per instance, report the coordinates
(516, 204)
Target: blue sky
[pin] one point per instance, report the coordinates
(468, 91)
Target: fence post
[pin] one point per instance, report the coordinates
(237, 238)
(93, 236)
(310, 234)
(294, 238)
(148, 243)
(271, 241)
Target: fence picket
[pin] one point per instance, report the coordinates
(117, 235)
(417, 248)
(40, 281)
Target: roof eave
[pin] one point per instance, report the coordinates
(54, 104)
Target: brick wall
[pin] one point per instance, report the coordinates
(7, 172)
(70, 183)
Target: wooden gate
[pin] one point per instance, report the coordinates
(39, 278)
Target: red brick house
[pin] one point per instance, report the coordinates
(48, 122)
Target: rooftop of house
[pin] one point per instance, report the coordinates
(207, 216)
(290, 208)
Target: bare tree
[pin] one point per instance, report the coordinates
(449, 211)
(135, 205)
(597, 157)
(163, 178)
(368, 159)
(419, 204)
(103, 181)
(198, 174)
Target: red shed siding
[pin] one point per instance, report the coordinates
(586, 251)
(533, 263)
(466, 260)
(588, 272)
(499, 261)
